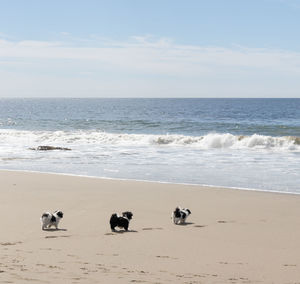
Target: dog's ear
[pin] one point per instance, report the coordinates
(127, 214)
(188, 210)
(60, 214)
(45, 215)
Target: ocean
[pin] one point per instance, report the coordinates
(239, 143)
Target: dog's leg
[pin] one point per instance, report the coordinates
(174, 219)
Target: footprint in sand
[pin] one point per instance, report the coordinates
(223, 221)
(10, 244)
(54, 267)
(200, 226)
(199, 275)
(149, 229)
(40, 264)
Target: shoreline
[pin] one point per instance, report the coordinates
(159, 182)
(232, 236)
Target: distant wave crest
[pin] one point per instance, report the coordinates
(208, 141)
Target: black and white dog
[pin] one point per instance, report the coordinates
(120, 221)
(179, 215)
(51, 219)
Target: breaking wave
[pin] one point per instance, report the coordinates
(227, 140)
(208, 141)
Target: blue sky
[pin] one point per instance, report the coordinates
(139, 48)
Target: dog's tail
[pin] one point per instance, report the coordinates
(44, 216)
(113, 217)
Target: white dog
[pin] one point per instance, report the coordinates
(179, 215)
(51, 219)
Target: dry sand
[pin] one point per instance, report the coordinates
(232, 236)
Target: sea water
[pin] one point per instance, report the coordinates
(243, 143)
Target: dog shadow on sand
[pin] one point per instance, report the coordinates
(120, 232)
(54, 230)
(185, 224)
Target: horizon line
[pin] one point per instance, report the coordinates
(149, 97)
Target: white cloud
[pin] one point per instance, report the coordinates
(144, 53)
(142, 64)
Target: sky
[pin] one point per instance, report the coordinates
(150, 48)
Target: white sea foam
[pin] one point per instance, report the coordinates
(23, 138)
(256, 161)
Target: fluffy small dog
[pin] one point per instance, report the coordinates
(179, 215)
(120, 221)
(51, 219)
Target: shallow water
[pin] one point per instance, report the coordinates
(247, 143)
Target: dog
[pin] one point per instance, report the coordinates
(179, 215)
(51, 219)
(120, 221)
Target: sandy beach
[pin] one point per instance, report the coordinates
(232, 236)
